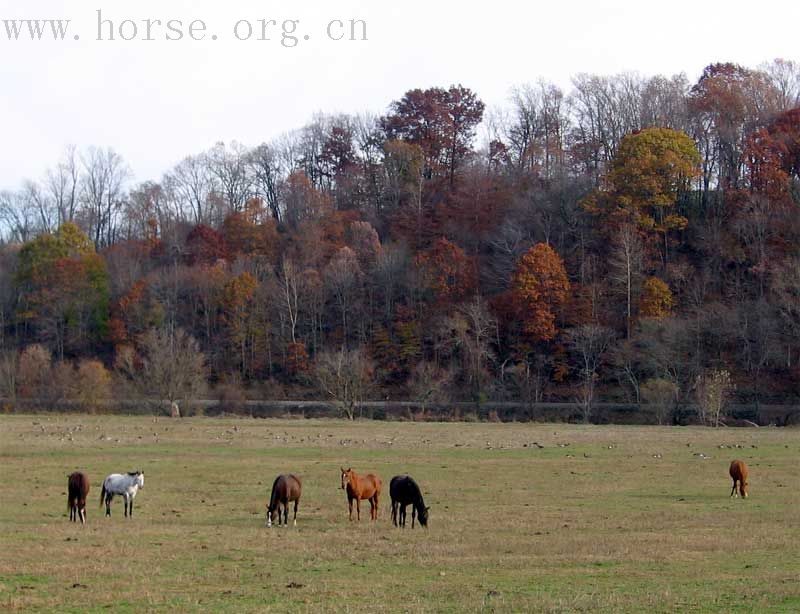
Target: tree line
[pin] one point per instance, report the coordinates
(634, 240)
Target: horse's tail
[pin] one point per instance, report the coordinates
(103, 494)
(273, 498)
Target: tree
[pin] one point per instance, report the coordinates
(442, 122)
(657, 300)
(540, 286)
(446, 271)
(345, 377)
(237, 316)
(712, 390)
(92, 385)
(626, 263)
(33, 372)
(648, 174)
(660, 394)
(169, 367)
(590, 343)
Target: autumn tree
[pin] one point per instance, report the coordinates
(237, 308)
(441, 122)
(657, 300)
(446, 271)
(540, 287)
(647, 176)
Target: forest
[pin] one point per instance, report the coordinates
(634, 240)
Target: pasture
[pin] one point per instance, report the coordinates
(523, 517)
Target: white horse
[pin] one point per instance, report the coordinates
(127, 485)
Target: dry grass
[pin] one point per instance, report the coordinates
(620, 519)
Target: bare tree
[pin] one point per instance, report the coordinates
(713, 390)
(9, 364)
(63, 184)
(589, 342)
(229, 165)
(268, 172)
(661, 395)
(192, 182)
(171, 367)
(626, 262)
(105, 173)
(345, 377)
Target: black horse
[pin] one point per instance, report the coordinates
(404, 491)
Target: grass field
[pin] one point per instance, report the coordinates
(523, 518)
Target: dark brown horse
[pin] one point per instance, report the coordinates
(404, 492)
(77, 490)
(739, 475)
(358, 488)
(285, 489)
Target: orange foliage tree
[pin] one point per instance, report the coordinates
(539, 287)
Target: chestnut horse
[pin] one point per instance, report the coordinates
(285, 489)
(358, 488)
(77, 490)
(739, 474)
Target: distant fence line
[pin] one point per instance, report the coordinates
(505, 411)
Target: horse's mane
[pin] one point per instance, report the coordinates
(134, 473)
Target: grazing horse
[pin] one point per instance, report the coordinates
(285, 489)
(77, 490)
(404, 491)
(127, 485)
(358, 488)
(739, 474)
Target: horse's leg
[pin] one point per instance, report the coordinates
(733, 490)
(413, 514)
(394, 512)
(125, 499)
(296, 501)
(286, 513)
(130, 507)
(82, 512)
(109, 498)
(350, 507)
(358, 509)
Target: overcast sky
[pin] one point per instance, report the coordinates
(155, 102)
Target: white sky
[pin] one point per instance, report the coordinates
(155, 102)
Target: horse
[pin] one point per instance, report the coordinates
(77, 490)
(739, 473)
(404, 491)
(126, 485)
(358, 488)
(285, 489)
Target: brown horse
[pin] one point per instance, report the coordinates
(77, 490)
(285, 489)
(358, 488)
(739, 474)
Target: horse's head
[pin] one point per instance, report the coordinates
(422, 516)
(346, 477)
(140, 478)
(743, 488)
